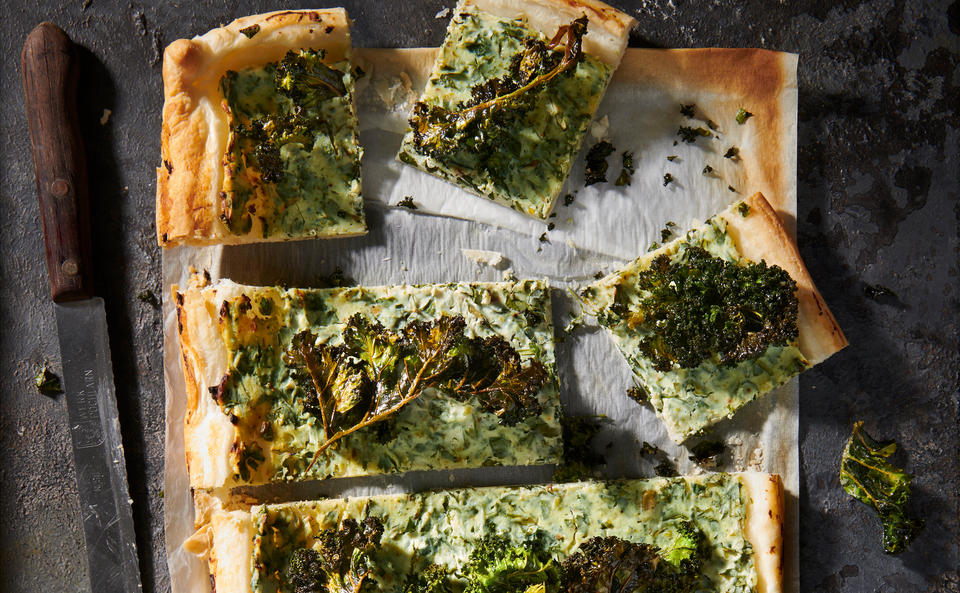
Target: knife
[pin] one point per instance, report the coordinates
(49, 67)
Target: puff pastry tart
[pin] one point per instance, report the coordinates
(291, 384)
(716, 317)
(729, 527)
(259, 139)
(512, 91)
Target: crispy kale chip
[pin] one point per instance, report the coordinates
(340, 561)
(614, 565)
(497, 565)
(306, 80)
(378, 371)
(479, 125)
(700, 307)
(579, 458)
(866, 475)
(595, 169)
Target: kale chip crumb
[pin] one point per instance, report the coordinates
(596, 162)
(743, 208)
(626, 173)
(708, 170)
(568, 199)
(47, 382)
(335, 279)
(706, 453)
(543, 238)
(690, 135)
(407, 202)
(639, 395)
(743, 115)
(579, 458)
(732, 153)
(687, 110)
(667, 179)
(878, 292)
(250, 31)
(147, 296)
(672, 158)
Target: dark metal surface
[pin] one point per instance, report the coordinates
(879, 202)
(97, 448)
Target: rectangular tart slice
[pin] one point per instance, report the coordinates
(717, 317)
(291, 384)
(259, 139)
(511, 94)
(714, 532)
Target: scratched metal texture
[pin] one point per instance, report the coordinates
(879, 203)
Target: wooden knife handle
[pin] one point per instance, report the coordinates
(49, 64)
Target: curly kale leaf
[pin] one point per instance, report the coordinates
(866, 475)
(306, 80)
(498, 566)
(701, 308)
(491, 370)
(480, 124)
(614, 565)
(47, 382)
(339, 562)
(377, 371)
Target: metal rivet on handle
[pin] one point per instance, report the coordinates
(60, 187)
(70, 267)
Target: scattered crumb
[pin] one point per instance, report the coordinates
(105, 117)
(442, 15)
(483, 257)
(599, 128)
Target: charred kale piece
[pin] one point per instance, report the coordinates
(614, 565)
(480, 124)
(701, 308)
(377, 371)
(866, 475)
(306, 80)
(340, 561)
(433, 579)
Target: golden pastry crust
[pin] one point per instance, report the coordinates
(764, 528)
(608, 29)
(762, 82)
(195, 128)
(762, 235)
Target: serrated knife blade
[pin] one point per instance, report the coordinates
(49, 68)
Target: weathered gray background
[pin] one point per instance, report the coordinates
(879, 202)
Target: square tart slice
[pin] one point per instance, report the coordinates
(716, 318)
(512, 92)
(259, 139)
(274, 376)
(738, 516)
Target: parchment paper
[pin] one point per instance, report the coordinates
(604, 228)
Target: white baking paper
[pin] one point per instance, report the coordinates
(604, 228)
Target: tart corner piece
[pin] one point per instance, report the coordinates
(512, 92)
(248, 156)
(717, 317)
